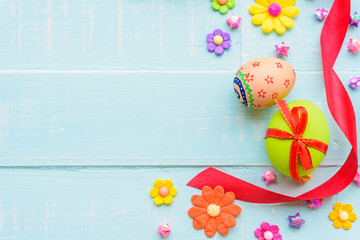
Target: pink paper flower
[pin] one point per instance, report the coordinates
(267, 232)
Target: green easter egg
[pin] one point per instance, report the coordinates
(279, 149)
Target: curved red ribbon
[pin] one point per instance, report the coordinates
(341, 108)
(297, 120)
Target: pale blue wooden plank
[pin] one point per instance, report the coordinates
(141, 118)
(105, 203)
(157, 34)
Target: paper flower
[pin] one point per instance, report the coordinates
(163, 191)
(214, 211)
(218, 41)
(269, 176)
(296, 221)
(354, 45)
(271, 15)
(164, 230)
(357, 176)
(342, 216)
(267, 232)
(282, 49)
(321, 13)
(354, 83)
(222, 6)
(234, 21)
(355, 20)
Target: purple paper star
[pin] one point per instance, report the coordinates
(269, 176)
(234, 21)
(321, 13)
(357, 179)
(354, 83)
(315, 203)
(296, 221)
(282, 49)
(355, 20)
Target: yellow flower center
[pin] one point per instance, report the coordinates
(213, 210)
(343, 216)
(218, 40)
(163, 191)
(222, 2)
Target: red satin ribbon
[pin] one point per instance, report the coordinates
(341, 108)
(297, 120)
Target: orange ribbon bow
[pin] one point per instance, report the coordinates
(296, 119)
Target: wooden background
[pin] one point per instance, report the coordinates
(100, 98)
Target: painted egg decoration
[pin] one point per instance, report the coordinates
(316, 128)
(259, 82)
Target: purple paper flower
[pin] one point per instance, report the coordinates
(218, 41)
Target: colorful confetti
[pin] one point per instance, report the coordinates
(320, 13)
(296, 221)
(315, 203)
(357, 179)
(269, 176)
(354, 45)
(355, 20)
(354, 82)
(234, 21)
(282, 49)
(164, 230)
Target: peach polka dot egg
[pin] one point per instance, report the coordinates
(259, 82)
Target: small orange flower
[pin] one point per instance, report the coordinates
(214, 211)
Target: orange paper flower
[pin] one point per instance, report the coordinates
(214, 211)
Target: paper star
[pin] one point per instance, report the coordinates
(354, 83)
(282, 49)
(296, 221)
(354, 45)
(321, 13)
(234, 21)
(357, 179)
(315, 203)
(269, 176)
(355, 20)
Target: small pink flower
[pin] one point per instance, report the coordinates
(267, 232)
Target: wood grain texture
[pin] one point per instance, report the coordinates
(100, 98)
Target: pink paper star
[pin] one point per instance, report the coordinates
(234, 21)
(354, 45)
(296, 221)
(321, 13)
(269, 176)
(282, 49)
(357, 179)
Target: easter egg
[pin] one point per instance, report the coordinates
(278, 150)
(259, 82)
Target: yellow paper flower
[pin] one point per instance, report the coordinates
(274, 14)
(342, 216)
(163, 191)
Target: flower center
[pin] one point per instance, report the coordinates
(213, 210)
(268, 235)
(274, 9)
(218, 40)
(343, 216)
(222, 2)
(163, 191)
